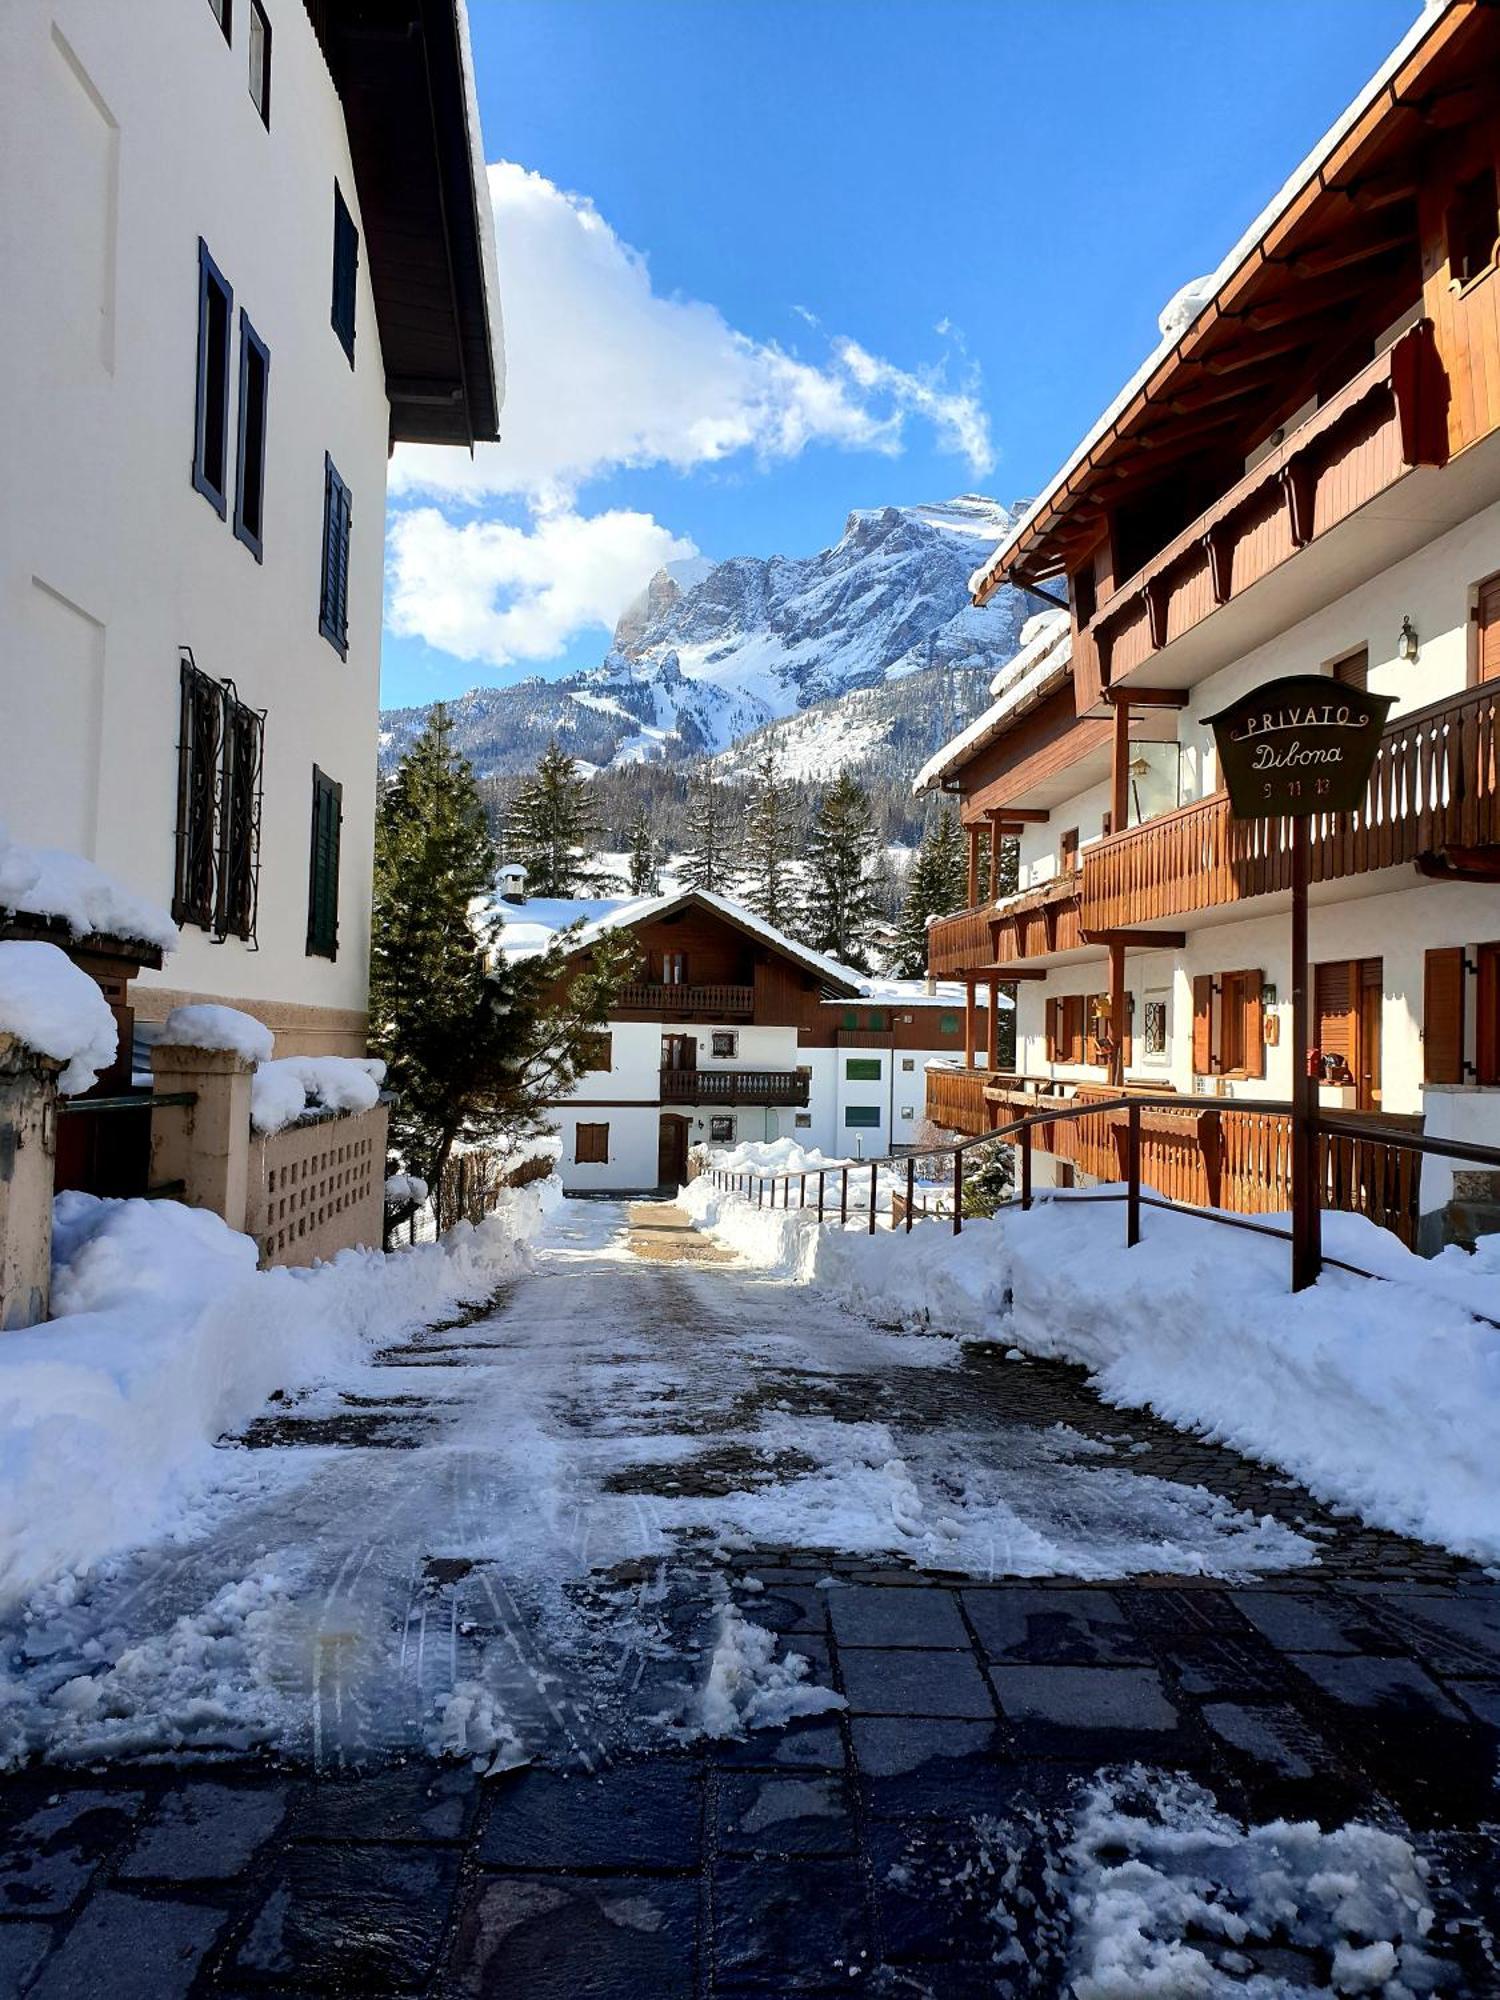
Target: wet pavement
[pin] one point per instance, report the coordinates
(886, 1845)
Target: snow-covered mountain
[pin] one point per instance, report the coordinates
(868, 648)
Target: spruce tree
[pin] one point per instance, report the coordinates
(552, 829)
(767, 883)
(929, 890)
(840, 909)
(643, 870)
(709, 859)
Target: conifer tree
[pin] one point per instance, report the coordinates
(552, 829)
(644, 868)
(840, 909)
(767, 883)
(476, 1045)
(708, 862)
(938, 884)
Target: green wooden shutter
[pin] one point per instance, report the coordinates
(338, 510)
(323, 874)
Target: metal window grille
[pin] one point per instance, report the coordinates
(220, 757)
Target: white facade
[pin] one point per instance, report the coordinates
(127, 135)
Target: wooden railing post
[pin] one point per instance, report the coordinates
(1025, 1150)
(958, 1191)
(874, 1175)
(1132, 1173)
(911, 1189)
(844, 1197)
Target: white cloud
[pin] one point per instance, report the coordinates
(606, 373)
(494, 592)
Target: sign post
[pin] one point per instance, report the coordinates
(1292, 750)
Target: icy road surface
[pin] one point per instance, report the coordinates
(509, 1538)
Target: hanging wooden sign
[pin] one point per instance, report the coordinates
(1298, 746)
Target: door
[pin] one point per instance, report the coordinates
(1367, 1071)
(1487, 636)
(671, 1151)
(679, 1051)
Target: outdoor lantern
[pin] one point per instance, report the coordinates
(1406, 646)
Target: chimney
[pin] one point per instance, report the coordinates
(512, 882)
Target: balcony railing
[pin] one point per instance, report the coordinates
(1380, 425)
(734, 1086)
(645, 997)
(1038, 921)
(1435, 785)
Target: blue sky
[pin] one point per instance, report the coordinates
(893, 250)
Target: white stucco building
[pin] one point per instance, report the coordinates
(245, 247)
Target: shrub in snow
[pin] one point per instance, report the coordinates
(49, 882)
(53, 1007)
(284, 1089)
(223, 1028)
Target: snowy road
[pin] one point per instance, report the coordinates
(510, 1537)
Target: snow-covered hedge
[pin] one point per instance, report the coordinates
(167, 1336)
(52, 1006)
(1382, 1396)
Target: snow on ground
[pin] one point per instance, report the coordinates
(50, 882)
(52, 1006)
(166, 1335)
(526, 1554)
(1380, 1395)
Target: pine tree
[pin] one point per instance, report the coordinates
(644, 868)
(840, 910)
(708, 862)
(475, 1044)
(936, 884)
(767, 883)
(552, 829)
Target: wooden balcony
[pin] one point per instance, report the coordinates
(734, 1086)
(681, 1002)
(956, 942)
(1389, 419)
(1024, 927)
(1435, 787)
(956, 1100)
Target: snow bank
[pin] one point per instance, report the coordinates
(774, 1156)
(52, 1006)
(49, 882)
(1380, 1396)
(201, 1026)
(166, 1337)
(749, 1688)
(283, 1090)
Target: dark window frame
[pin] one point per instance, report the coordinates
(338, 513)
(220, 771)
(728, 1036)
(856, 1120)
(211, 280)
(345, 305)
(598, 1144)
(223, 13)
(323, 866)
(251, 533)
(262, 102)
(863, 1069)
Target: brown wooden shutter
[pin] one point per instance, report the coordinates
(1487, 617)
(1203, 1023)
(1054, 1009)
(1252, 1013)
(1354, 669)
(1334, 1002)
(1443, 1016)
(1075, 1027)
(1487, 1010)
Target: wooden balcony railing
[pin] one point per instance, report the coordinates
(1196, 1152)
(643, 997)
(734, 1086)
(1386, 420)
(956, 942)
(1037, 921)
(1435, 785)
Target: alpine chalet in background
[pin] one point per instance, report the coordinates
(1304, 477)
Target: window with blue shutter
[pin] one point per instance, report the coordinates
(861, 1116)
(323, 875)
(333, 612)
(250, 480)
(211, 425)
(345, 272)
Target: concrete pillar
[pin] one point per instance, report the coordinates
(205, 1145)
(28, 1153)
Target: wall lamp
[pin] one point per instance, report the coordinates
(1406, 645)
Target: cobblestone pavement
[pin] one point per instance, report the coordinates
(847, 1851)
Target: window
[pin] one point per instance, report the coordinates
(1486, 616)
(876, 1023)
(803, 1121)
(858, 1116)
(333, 612)
(250, 480)
(260, 61)
(1155, 1047)
(947, 1024)
(223, 13)
(908, 1063)
(220, 751)
(211, 430)
(908, 1111)
(600, 1053)
(345, 272)
(1229, 1040)
(1353, 670)
(1473, 224)
(1450, 1028)
(591, 1145)
(1067, 1025)
(862, 1069)
(674, 968)
(720, 1130)
(850, 1019)
(726, 1043)
(1068, 849)
(323, 873)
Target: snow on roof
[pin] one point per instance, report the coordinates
(1194, 296)
(1043, 663)
(898, 993)
(50, 882)
(50, 1004)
